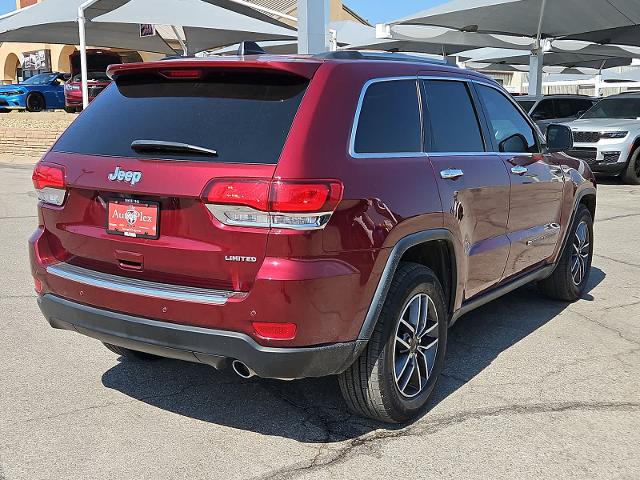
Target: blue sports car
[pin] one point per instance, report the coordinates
(40, 92)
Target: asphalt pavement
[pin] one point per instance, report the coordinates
(533, 388)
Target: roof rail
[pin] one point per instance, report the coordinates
(386, 56)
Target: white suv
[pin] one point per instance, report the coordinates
(607, 137)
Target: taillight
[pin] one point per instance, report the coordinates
(49, 182)
(277, 204)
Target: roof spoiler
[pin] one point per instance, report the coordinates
(305, 69)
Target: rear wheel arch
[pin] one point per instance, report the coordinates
(424, 248)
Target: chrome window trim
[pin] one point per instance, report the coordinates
(135, 286)
(356, 121)
(368, 83)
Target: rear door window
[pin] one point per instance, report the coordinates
(452, 119)
(245, 118)
(389, 119)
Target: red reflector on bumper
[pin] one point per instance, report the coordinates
(275, 331)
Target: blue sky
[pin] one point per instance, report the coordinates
(376, 11)
(7, 5)
(379, 11)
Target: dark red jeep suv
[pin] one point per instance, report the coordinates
(304, 216)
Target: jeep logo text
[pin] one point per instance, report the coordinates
(128, 176)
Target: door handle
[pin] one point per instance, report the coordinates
(519, 170)
(451, 173)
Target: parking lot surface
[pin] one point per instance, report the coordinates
(532, 389)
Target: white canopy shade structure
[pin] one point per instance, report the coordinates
(204, 23)
(549, 18)
(56, 21)
(552, 58)
(538, 19)
(426, 40)
(433, 40)
(552, 70)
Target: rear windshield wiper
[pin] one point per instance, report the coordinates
(144, 146)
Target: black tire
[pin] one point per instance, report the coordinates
(35, 103)
(132, 354)
(369, 386)
(562, 284)
(631, 175)
(5, 110)
(70, 109)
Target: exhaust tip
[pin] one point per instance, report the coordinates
(241, 369)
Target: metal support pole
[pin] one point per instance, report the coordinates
(313, 26)
(183, 44)
(536, 62)
(83, 58)
(83, 50)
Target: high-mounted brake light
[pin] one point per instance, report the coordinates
(182, 74)
(279, 204)
(49, 182)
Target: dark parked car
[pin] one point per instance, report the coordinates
(545, 110)
(297, 217)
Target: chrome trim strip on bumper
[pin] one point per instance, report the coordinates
(134, 286)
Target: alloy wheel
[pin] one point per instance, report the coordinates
(581, 250)
(415, 345)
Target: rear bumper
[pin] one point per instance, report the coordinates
(197, 344)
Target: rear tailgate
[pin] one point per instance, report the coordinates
(243, 115)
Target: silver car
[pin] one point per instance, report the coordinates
(607, 137)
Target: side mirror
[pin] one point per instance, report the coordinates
(580, 113)
(559, 138)
(516, 143)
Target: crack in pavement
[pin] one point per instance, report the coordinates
(629, 264)
(607, 327)
(617, 217)
(624, 305)
(434, 424)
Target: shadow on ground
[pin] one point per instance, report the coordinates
(312, 411)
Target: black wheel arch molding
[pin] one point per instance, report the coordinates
(397, 252)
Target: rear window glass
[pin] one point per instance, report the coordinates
(245, 118)
(389, 119)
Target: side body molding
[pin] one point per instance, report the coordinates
(397, 252)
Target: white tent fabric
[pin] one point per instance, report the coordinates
(522, 17)
(433, 40)
(552, 58)
(428, 40)
(55, 21)
(206, 24)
